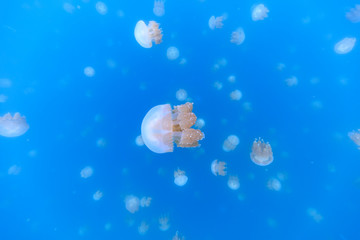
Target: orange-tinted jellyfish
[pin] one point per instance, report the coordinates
(261, 153)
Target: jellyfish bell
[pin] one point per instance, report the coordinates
(162, 126)
(180, 178)
(13, 126)
(259, 12)
(145, 35)
(261, 153)
(215, 22)
(218, 168)
(345, 45)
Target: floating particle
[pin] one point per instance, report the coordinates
(345, 45)
(180, 178)
(13, 126)
(261, 153)
(86, 172)
(146, 34)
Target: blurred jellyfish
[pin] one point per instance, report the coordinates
(218, 168)
(216, 22)
(3, 98)
(97, 195)
(200, 123)
(180, 178)
(68, 7)
(280, 66)
(354, 14)
(86, 172)
(89, 71)
(231, 143)
(5, 83)
(181, 95)
(355, 137)
(345, 45)
(233, 183)
(232, 78)
(145, 201)
(146, 34)
(13, 126)
(177, 236)
(261, 153)
(291, 81)
(164, 223)
(172, 53)
(14, 170)
(236, 95)
(238, 36)
(183, 61)
(143, 228)
(132, 203)
(162, 126)
(101, 8)
(274, 184)
(312, 212)
(218, 85)
(139, 141)
(108, 226)
(159, 9)
(259, 12)
(101, 143)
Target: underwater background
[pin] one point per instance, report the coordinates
(78, 120)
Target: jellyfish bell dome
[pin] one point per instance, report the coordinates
(146, 34)
(13, 126)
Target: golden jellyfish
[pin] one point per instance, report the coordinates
(261, 153)
(216, 22)
(13, 126)
(218, 168)
(162, 126)
(145, 35)
(355, 137)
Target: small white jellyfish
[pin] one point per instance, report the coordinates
(146, 34)
(68, 7)
(232, 78)
(5, 83)
(354, 14)
(218, 85)
(89, 71)
(216, 22)
(218, 168)
(259, 12)
(86, 172)
(172, 53)
(139, 141)
(3, 98)
(101, 143)
(236, 95)
(261, 153)
(14, 170)
(200, 123)
(291, 81)
(345, 45)
(312, 212)
(238, 36)
(233, 183)
(97, 195)
(180, 178)
(13, 126)
(181, 95)
(177, 236)
(231, 143)
(101, 8)
(162, 126)
(159, 9)
(145, 201)
(274, 184)
(132, 203)
(164, 224)
(355, 137)
(143, 228)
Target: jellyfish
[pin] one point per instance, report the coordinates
(146, 34)
(172, 53)
(236, 95)
(354, 14)
(238, 36)
(177, 236)
(159, 9)
(233, 183)
(164, 224)
(355, 137)
(97, 195)
(162, 126)
(13, 126)
(274, 184)
(345, 45)
(259, 12)
(216, 22)
(145, 201)
(86, 172)
(143, 228)
(261, 153)
(180, 178)
(230, 143)
(132, 203)
(218, 168)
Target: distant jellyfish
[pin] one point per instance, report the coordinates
(14, 170)
(97, 195)
(274, 184)
(146, 34)
(172, 53)
(101, 142)
(232, 78)
(236, 95)
(233, 183)
(238, 36)
(143, 228)
(68, 7)
(3, 98)
(5, 83)
(132, 203)
(345, 45)
(354, 14)
(86, 172)
(218, 168)
(314, 214)
(180, 178)
(139, 141)
(231, 143)
(200, 123)
(164, 224)
(216, 22)
(162, 126)
(291, 81)
(13, 126)
(181, 95)
(101, 8)
(177, 236)
(145, 201)
(261, 153)
(259, 12)
(355, 137)
(159, 9)
(89, 71)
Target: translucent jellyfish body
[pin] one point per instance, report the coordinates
(354, 14)
(145, 35)
(162, 126)
(172, 53)
(233, 183)
(238, 36)
(13, 126)
(259, 12)
(180, 178)
(261, 153)
(132, 203)
(164, 224)
(355, 137)
(345, 45)
(231, 143)
(218, 168)
(159, 9)
(216, 22)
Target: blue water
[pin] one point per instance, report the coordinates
(43, 52)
